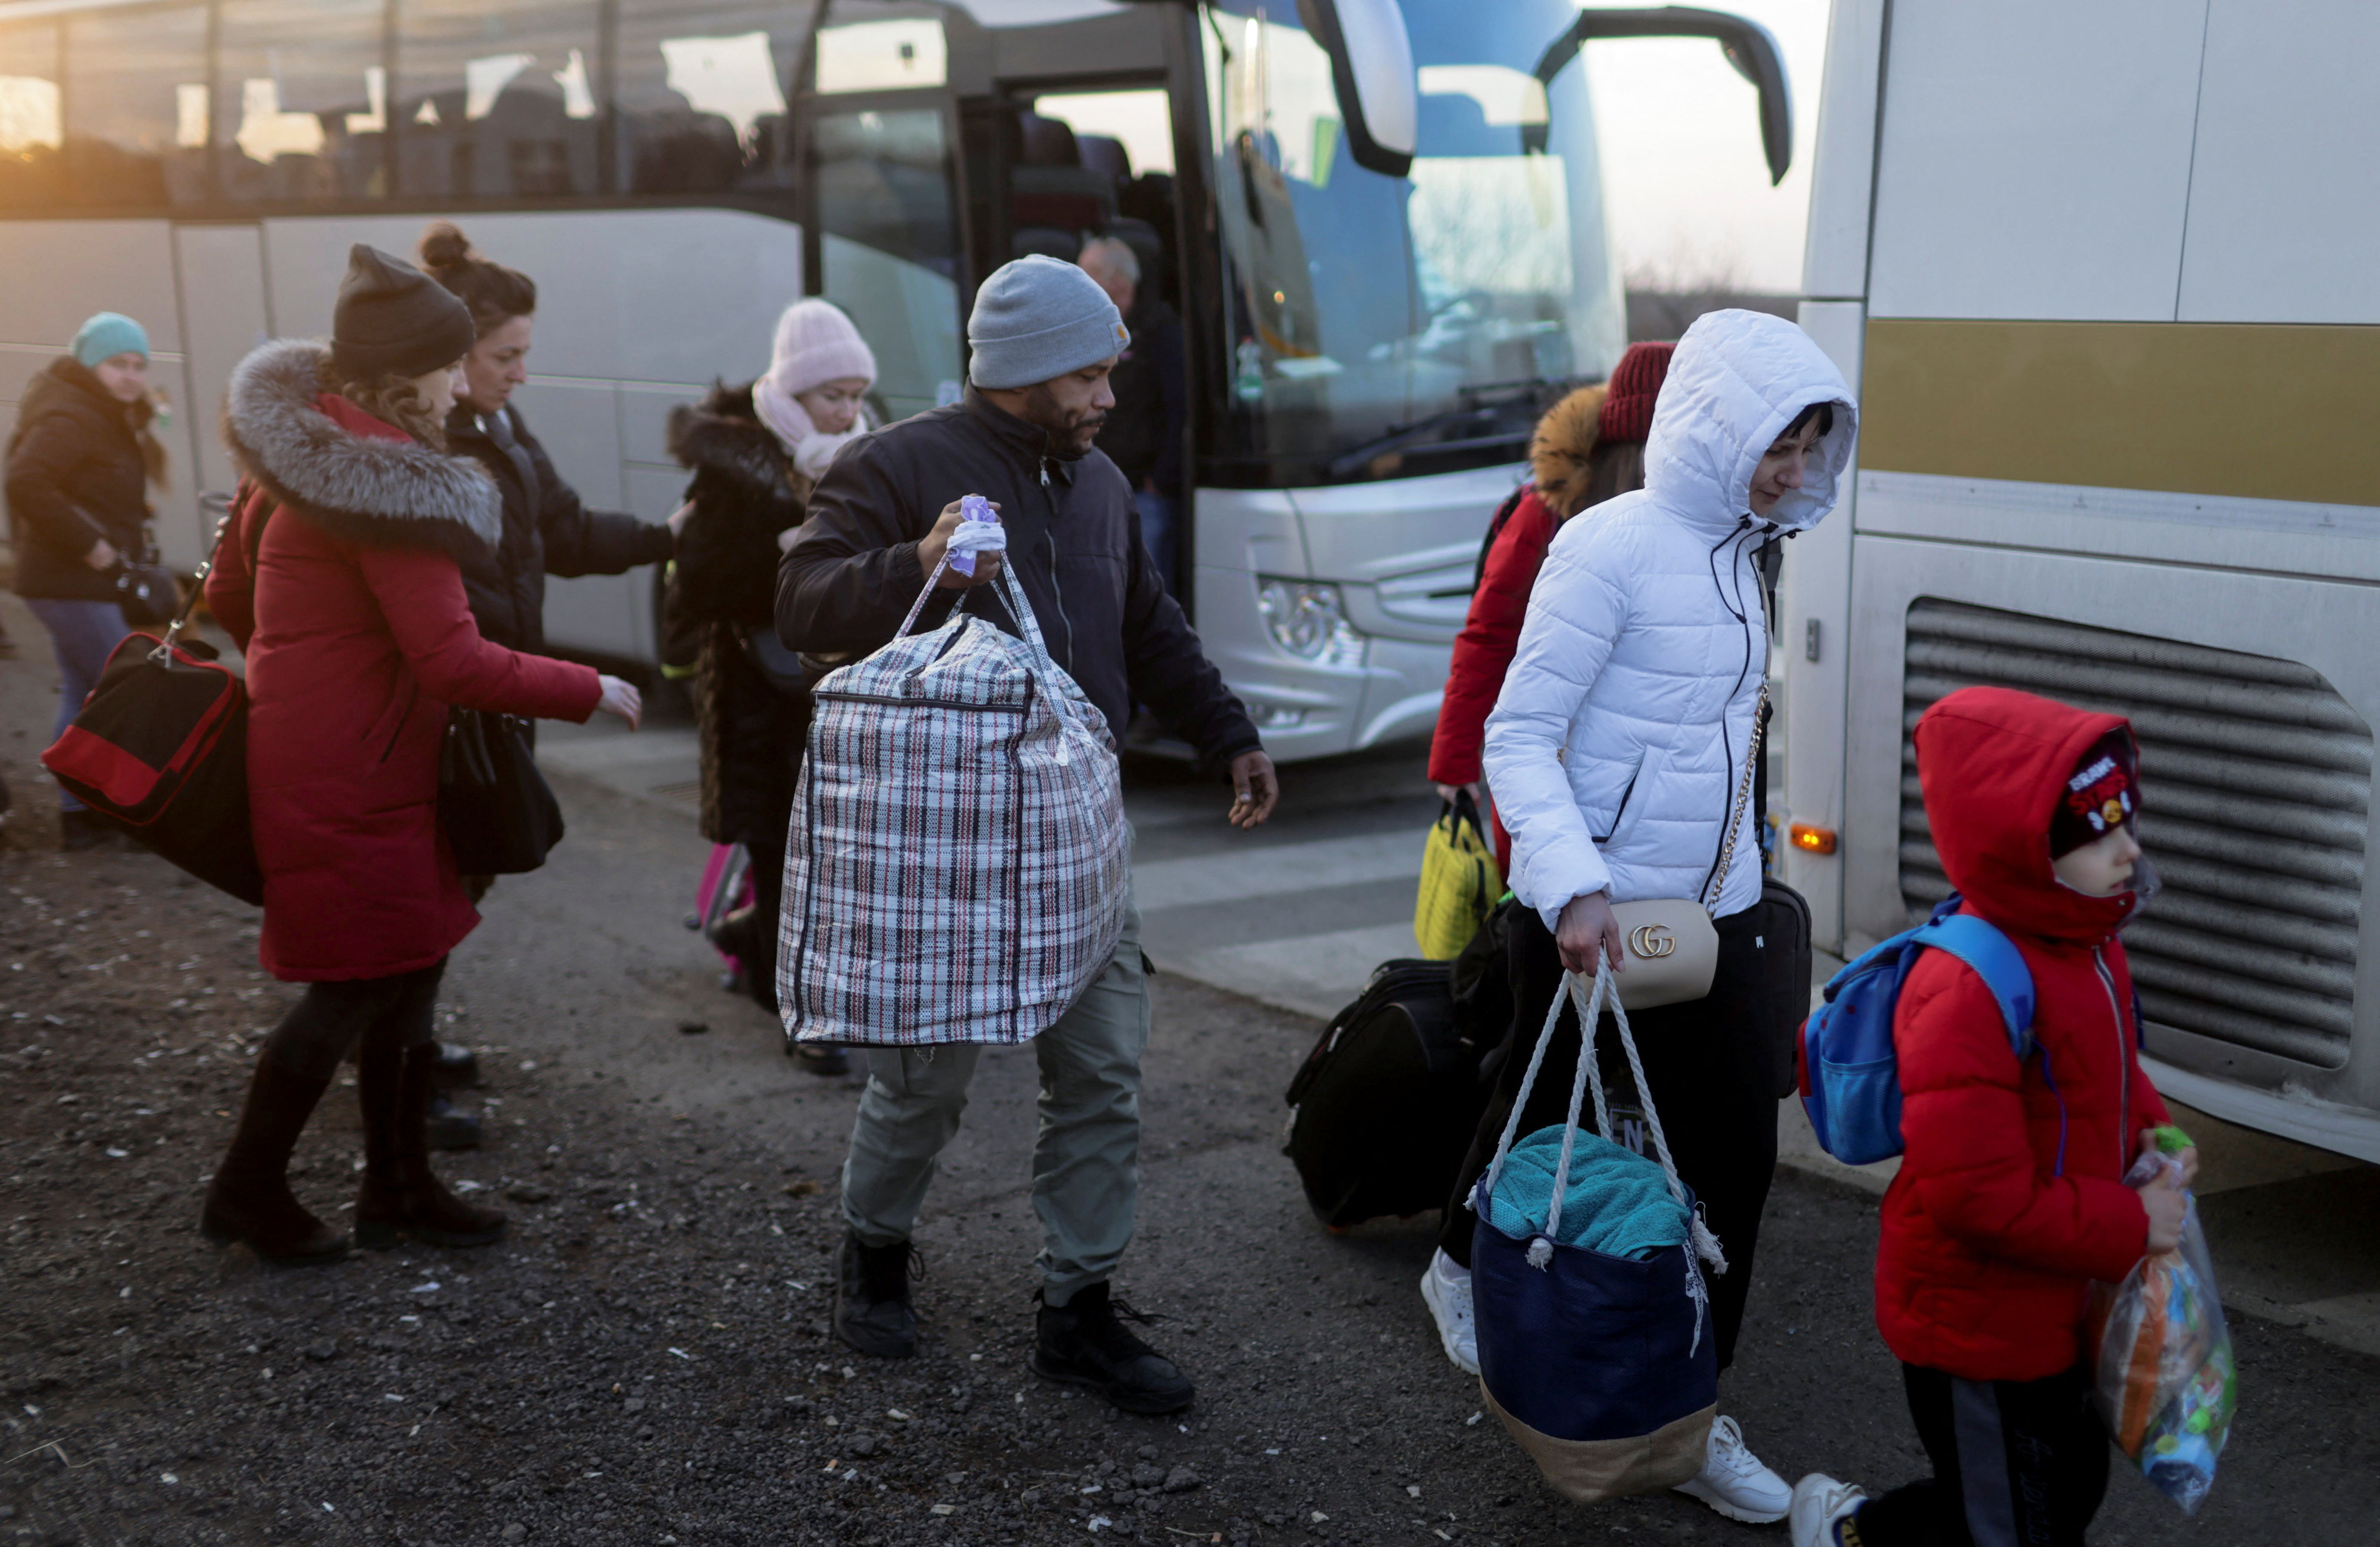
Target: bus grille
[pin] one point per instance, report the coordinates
(2257, 781)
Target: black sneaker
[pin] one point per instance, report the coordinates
(1085, 1342)
(872, 1297)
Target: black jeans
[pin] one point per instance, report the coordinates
(2016, 1464)
(386, 1013)
(1713, 1087)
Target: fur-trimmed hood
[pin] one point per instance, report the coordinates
(387, 493)
(723, 434)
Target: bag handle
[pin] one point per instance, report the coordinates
(1704, 1244)
(164, 650)
(1044, 666)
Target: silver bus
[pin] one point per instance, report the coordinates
(1381, 222)
(2117, 327)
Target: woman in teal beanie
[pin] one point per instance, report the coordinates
(79, 466)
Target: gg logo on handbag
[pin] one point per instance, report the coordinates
(1652, 941)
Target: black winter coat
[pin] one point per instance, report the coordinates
(1074, 539)
(80, 463)
(547, 532)
(1142, 435)
(745, 492)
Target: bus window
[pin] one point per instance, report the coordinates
(136, 107)
(32, 130)
(301, 101)
(701, 95)
(890, 250)
(495, 101)
(1457, 298)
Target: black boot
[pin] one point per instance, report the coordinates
(457, 1066)
(400, 1196)
(1085, 1342)
(250, 1199)
(871, 1298)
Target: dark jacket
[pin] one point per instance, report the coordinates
(547, 532)
(1074, 539)
(79, 462)
(1142, 435)
(2010, 1199)
(357, 638)
(745, 492)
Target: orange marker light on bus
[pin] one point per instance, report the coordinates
(1812, 840)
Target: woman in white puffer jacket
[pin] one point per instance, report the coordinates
(1616, 752)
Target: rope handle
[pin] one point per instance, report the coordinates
(1590, 1077)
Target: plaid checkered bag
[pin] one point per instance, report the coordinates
(956, 865)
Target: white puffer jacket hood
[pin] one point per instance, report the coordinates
(1618, 745)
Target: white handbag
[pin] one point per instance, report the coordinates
(1671, 945)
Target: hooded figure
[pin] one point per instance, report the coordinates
(2011, 1195)
(1616, 751)
(1619, 741)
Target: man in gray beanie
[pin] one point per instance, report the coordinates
(1043, 338)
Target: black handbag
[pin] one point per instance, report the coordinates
(499, 815)
(1784, 935)
(146, 594)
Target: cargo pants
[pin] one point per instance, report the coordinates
(1086, 1153)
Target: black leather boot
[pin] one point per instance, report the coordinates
(400, 1196)
(1085, 1342)
(872, 1297)
(250, 1199)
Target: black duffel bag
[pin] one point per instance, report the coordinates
(499, 815)
(159, 750)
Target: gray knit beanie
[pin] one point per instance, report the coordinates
(1036, 318)
(392, 319)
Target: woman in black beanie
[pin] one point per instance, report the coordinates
(337, 579)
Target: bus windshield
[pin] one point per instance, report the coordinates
(1379, 325)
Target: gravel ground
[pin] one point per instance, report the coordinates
(646, 1361)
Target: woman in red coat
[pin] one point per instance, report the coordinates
(1588, 447)
(338, 581)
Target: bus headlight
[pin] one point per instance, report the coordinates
(1307, 621)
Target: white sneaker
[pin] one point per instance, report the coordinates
(1819, 1502)
(1447, 1288)
(1734, 1482)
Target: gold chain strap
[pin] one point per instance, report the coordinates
(1742, 793)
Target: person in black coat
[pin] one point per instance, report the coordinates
(755, 452)
(547, 529)
(80, 461)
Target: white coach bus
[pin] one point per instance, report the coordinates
(2106, 276)
(1382, 221)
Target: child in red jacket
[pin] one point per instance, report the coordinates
(2010, 1201)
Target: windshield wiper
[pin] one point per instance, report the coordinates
(1485, 397)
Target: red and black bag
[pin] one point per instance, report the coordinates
(160, 749)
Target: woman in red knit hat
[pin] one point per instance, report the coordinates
(1588, 447)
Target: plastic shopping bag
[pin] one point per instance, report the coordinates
(2167, 1382)
(1459, 881)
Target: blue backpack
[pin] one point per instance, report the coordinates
(1851, 1079)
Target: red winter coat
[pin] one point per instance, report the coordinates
(2009, 1199)
(1483, 651)
(357, 636)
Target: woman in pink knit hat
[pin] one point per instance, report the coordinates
(755, 452)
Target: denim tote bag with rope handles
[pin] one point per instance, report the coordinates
(1603, 1368)
(958, 864)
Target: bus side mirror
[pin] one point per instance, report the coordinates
(1747, 44)
(1372, 71)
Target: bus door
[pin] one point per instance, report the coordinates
(882, 217)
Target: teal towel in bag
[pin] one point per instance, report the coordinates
(1617, 1202)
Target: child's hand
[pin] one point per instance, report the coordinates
(2167, 1203)
(2186, 1158)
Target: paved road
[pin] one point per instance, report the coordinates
(1298, 913)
